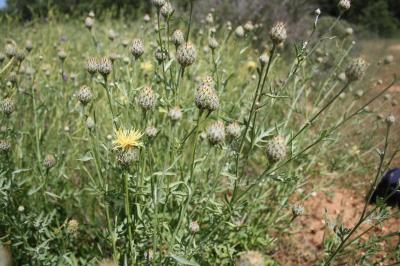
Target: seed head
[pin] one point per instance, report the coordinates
(49, 161)
(278, 33)
(213, 43)
(264, 59)
(167, 10)
(177, 38)
(137, 48)
(10, 50)
(104, 67)
(194, 227)
(355, 71)
(158, 3)
(85, 94)
(7, 106)
(113, 57)
(5, 146)
(390, 120)
(276, 149)
(160, 55)
(151, 132)
(62, 54)
(207, 98)
(147, 98)
(216, 133)
(239, 32)
(251, 258)
(126, 158)
(146, 18)
(233, 130)
(186, 54)
(210, 18)
(91, 66)
(175, 113)
(344, 5)
(89, 22)
(72, 226)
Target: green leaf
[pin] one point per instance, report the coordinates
(182, 261)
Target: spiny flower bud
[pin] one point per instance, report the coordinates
(125, 158)
(175, 113)
(20, 56)
(390, 120)
(177, 38)
(249, 26)
(10, 50)
(146, 18)
(264, 59)
(213, 43)
(166, 10)
(251, 258)
(89, 22)
(233, 130)
(49, 161)
(210, 18)
(7, 106)
(158, 3)
(5, 146)
(207, 98)
(276, 149)
(186, 54)
(91, 66)
(208, 80)
(72, 226)
(147, 98)
(113, 57)
(151, 132)
(85, 94)
(137, 48)
(104, 67)
(112, 35)
(344, 5)
(239, 32)
(278, 33)
(62, 55)
(388, 59)
(160, 55)
(194, 227)
(356, 69)
(216, 133)
(297, 210)
(90, 124)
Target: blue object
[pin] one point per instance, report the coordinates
(388, 188)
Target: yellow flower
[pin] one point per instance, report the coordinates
(146, 66)
(251, 65)
(126, 139)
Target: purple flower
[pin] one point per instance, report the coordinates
(388, 188)
(65, 76)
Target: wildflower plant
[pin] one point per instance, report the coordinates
(209, 175)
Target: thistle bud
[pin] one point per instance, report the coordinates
(85, 95)
(10, 50)
(233, 130)
(49, 161)
(90, 124)
(276, 149)
(356, 69)
(89, 22)
(213, 43)
(297, 210)
(72, 226)
(194, 227)
(7, 106)
(177, 38)
(175, 113)
(5, 146)
(278, 33)
(28, 46)
(207, 98)
(137, 48)
(104, 67)
(126, 158)
(112, 35)
(158, 3)
(264, 59)
(248, 26)
(91, 66)
(344, 5)
(147, 98)
(388, 59)
(62, 55)
(210, 18)
(167, 10)
(186, 54)
(390, 120)
(160, 55)
(151, 132)
(216, 133)
(146, 18)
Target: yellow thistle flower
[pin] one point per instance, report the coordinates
(147, 67)
(126, 139)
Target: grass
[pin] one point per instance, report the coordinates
(192, 191)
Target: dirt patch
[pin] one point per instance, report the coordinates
(305, 244)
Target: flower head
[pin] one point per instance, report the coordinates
(186, 54)
(278, 33)
(126, 139)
